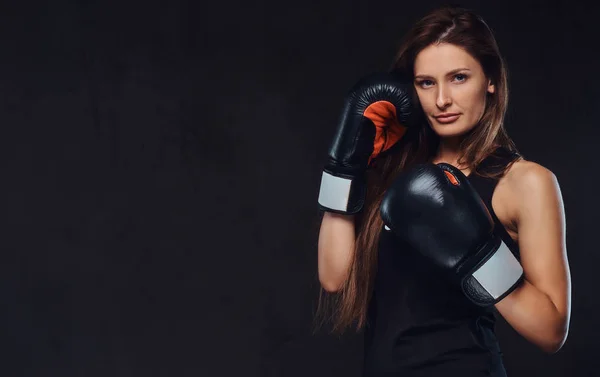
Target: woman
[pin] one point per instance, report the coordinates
(415, 321)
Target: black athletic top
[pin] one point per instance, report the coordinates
(420, 324)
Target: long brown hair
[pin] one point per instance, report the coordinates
(448, 24)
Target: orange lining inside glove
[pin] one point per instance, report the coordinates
(387, 128)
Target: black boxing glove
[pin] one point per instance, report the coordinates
(437, 211)
(376, 114)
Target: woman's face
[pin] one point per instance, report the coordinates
(452, 88)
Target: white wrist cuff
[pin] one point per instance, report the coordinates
(499, 273)
(335, 192)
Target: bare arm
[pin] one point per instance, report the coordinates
(336, 249)
(540, 308)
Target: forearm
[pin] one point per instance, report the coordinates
(335, 249)
(533, 315)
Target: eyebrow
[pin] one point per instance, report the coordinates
(447, 74)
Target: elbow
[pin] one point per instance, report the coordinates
(330, 286)
(555, 335)
(331, 280)
(551, 347)
(554, 344)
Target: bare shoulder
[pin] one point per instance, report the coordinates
(527, 177)
(533, 189)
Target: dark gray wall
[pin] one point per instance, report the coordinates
(161, 163)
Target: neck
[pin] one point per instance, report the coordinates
(448, 151)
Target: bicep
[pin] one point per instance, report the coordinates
(542, 238)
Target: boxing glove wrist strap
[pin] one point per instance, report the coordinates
(495, 278)
(339, 194)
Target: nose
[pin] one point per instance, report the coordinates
(443, 99)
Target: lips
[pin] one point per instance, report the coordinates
(447, 118)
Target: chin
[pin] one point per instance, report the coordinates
(450, 130)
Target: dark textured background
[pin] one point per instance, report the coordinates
(161, 162)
